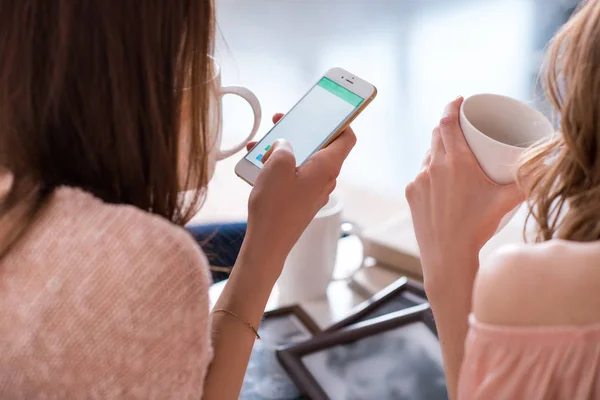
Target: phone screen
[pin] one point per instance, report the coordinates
(311, 122)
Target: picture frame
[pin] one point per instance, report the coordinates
(401, 294)
(265, 377)
(393, 356)
(297, 311)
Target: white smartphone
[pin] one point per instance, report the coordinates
(315, 121)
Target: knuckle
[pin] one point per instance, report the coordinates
(409, 191)
(436, 167)
(449, 121)
(459, 160)
(331, 187)
(453, 160)
(461, 153)
(253, 201)
(332, 176)
(283, 159)
(330, 170)
(422, 180)
(352, 138)
(413, 189)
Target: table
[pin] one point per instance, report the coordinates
(343, 294)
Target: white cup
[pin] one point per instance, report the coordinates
(499, 130)
(308, 269)
(216, 114)
(215, 124)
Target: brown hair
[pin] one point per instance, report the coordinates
(561, 178)
(91, 94)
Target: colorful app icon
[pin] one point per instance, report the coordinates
(259, 157)
(267, 148)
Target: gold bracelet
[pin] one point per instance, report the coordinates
(240, 318)
(220, 269)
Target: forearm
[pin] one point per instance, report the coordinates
(245, 294)
(450, 301)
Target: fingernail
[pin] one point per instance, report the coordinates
(282, 144)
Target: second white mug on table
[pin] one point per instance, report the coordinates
(309, 267)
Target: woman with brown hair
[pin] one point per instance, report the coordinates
(104, 123)
(534, 326)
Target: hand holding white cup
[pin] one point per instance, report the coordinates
(499, 130)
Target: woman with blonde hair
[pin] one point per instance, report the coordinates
(104, 122)
(525, 324)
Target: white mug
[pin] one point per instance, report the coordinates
(216, 115)
(499, 130)
(308, 269)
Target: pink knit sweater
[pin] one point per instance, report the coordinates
(103, 301)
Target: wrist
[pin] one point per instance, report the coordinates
(259, 262)
(454, 276)
(250, 284)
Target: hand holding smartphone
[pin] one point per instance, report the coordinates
(315, 121)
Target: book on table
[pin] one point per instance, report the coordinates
(394, 245)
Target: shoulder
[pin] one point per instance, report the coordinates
(116, 240)
(140, 291)
(122, 225)
(551, 283)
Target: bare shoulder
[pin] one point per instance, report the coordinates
(552, 283)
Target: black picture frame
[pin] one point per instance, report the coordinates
(291, 357)
(265, 377)
(299, 312)
(404, 293)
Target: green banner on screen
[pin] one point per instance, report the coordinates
(340, 92)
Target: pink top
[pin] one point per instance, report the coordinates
(103, 301)
(513, 362)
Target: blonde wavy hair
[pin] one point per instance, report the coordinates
(561, 178)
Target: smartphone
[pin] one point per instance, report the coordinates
(315, 121)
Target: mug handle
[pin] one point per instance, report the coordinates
(351, 229)
(251, 98)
